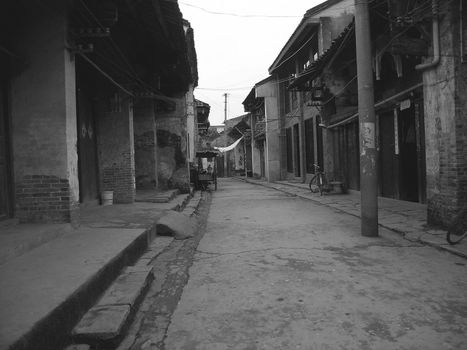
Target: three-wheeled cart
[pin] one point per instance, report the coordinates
(206, 171)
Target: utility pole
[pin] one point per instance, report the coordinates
(225, 133)
(366, 113)
(226, 95)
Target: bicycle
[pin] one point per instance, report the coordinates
(458, 229)
(318, 181)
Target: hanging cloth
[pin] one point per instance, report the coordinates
(229, 148)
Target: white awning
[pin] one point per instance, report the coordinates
(229, 148)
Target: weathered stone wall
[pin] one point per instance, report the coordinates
(172, 147)
(115, 145)
(145, 144)
(43, 109)
(446, 127)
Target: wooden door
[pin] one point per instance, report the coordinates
(408, 160)
(296, 135)
(388, 156)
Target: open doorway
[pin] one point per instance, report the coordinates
(87, 144)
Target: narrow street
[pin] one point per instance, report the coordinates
(274, 271)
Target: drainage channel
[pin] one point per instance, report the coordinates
(171, 274)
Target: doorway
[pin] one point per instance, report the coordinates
(409, 172)
(296, 137)
(87, 144)
(388, 155)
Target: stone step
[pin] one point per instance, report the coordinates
(192, 206)
(180, 201)
(157, 196)
(78, 347)
(105, 322)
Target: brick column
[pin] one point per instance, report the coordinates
(446, 128)
(116, 150)
(43, 109)
(145, 144)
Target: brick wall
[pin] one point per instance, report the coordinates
(43, 110)
(446, 127)
(115, 146)
(171, 126)
(145, 144)
(44, 198)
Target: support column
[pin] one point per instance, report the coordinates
(145, 144)
(172, 147)
(44, 135)
(445, 109)
(116, 147)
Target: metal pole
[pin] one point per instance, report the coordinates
(226, 164)
(225, 106)
(366, 112)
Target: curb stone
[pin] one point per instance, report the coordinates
(108, 319)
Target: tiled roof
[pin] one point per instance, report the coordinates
(312, 71)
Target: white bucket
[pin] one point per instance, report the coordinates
(107, 197)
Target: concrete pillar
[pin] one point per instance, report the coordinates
(116, 150)
(44, 133)
(145, 144)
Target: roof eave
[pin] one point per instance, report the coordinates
(304, 24)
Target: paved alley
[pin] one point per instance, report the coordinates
(275, 271)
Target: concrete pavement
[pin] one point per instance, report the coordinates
(51, 274)
(275, 271)
(405, 218)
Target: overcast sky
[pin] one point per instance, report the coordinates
(236, 42)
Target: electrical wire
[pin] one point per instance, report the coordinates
(236, 14)
(134, 75)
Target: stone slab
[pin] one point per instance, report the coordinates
(160, 243)
(44, 280)
(103, 323)
(189, 211)
(156, 197)
(177, 225)
(140, 268)
(127, 287)
(78, 347)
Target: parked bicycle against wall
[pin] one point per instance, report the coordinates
(318, 182)
(458, 229)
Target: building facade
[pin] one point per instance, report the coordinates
(85, 108)
(419, 75)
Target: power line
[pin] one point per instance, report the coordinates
(226, 88)
(236, 14)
